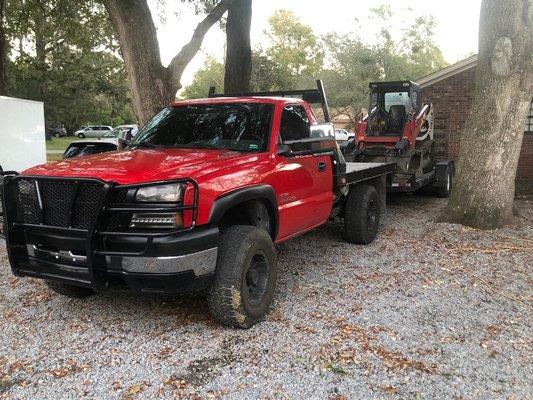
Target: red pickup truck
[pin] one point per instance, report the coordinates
(197, 201)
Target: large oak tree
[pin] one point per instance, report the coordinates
(490, 145)
(238, 68)
(153, 85)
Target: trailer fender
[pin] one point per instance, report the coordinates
(441, 171)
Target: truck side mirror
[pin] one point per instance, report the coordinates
(124, 138)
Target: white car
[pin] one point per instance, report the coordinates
(115, 133)
(343, 135)
(93, 131)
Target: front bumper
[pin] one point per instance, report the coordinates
(101, 259)
(188, 261)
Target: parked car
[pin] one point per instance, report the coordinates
(343, 134)
(196, 203)
(93, 131)
(343, 137)
(57, 131)
(87, 147)
(115, 133)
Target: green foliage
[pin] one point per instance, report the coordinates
(212, 74)
(293, 45)
(355, 62)
(293, 59)
(64, 53)
(266, 76)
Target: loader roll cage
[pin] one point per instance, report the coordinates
(311, 96)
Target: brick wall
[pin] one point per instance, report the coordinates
(451, 99)
(525, 163)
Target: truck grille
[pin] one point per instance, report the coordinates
(64, 204)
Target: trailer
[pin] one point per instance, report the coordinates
(22, 137)
(22, 133)
(399, 130)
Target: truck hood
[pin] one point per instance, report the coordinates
(144, 165)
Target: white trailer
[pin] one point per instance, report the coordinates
(22, 134)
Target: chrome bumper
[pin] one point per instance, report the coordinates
(201, 263)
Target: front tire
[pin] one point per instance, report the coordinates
(361, 215)
(81, 135)
(245, 278)
(444, 191)
(64, 289)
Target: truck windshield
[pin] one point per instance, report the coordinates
(232, 126)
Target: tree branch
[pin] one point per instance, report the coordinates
(187, 53)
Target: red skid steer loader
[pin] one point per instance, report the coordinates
(399, 129)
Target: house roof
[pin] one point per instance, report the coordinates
(450, 70)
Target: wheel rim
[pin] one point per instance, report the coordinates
(256, 279)
(371, 216)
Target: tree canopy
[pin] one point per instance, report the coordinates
(64, 53)
(296, 56)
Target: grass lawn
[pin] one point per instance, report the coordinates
(60, 143)
(53, 157)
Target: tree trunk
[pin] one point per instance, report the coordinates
(3, 52)
(483, 193)
(238, 49)
(153, 85)
(137, 36)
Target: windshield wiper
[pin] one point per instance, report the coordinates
(146, 145)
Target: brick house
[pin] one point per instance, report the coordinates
(451, 91)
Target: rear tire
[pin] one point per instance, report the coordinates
(245, 277)
(76, 292)
(444, 191)
(361, 215)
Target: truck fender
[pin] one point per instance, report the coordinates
(239, 196)
(441, 170)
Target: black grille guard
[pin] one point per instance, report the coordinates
(94, 236)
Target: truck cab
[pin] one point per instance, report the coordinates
(197, 201)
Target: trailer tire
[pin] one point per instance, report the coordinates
(361, 215)
(76, 292)
(444, 191)
(245, 279)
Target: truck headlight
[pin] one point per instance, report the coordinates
(171, 193)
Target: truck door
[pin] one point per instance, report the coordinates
(303, 183)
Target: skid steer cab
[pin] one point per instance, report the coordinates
(399, 130)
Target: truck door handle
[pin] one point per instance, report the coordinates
(321, 166)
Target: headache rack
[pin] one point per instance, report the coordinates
(312, 96)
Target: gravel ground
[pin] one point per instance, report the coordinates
(428, 311)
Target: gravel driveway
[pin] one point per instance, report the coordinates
(428, 311)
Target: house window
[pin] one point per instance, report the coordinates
(529, 119)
